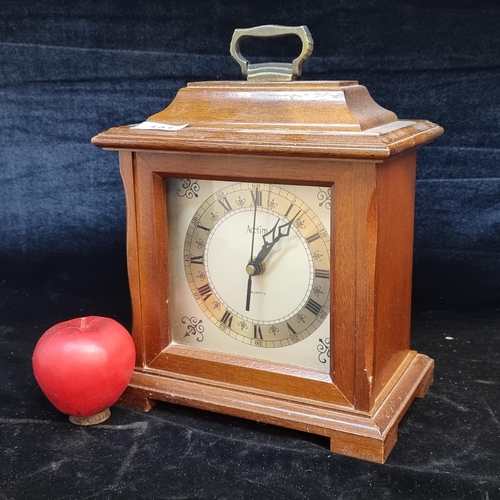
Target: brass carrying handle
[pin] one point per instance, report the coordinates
(272, 72)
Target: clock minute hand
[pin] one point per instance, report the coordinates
(249, 282)
(249, 293)
(277, 232)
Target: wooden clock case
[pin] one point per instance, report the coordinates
(325, 133)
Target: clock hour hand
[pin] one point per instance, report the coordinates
(276, 233)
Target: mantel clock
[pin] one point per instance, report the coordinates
(269, 240)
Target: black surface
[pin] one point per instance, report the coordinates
(71, 69)
(448, 447)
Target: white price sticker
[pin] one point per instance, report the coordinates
(158, 126)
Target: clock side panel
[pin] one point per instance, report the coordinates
(127, 171)
(352, 286)
(393, 285)
(373, 239)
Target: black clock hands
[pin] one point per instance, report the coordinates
(276, 233)
(256, 266)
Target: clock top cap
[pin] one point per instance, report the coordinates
(271, 113)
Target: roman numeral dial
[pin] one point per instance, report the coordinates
(257, 262)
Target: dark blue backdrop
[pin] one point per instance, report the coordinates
(71, 69)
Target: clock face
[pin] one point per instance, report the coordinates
(250, 269)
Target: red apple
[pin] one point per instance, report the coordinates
(83, 365)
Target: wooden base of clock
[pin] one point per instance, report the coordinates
(368, 436)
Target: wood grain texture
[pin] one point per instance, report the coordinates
(394, 261)
(329, 134)
(318, 119)
(366, 435)
(127, 172)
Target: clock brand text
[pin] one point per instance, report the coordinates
(256, 230)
